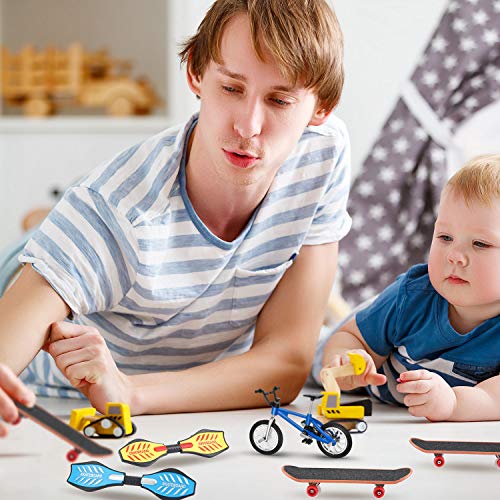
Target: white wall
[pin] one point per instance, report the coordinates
(383, 42)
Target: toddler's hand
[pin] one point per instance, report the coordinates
(368, 377)
(427, 395)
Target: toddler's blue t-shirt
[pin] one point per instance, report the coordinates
(409, 323)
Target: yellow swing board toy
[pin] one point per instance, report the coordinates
(205, 443)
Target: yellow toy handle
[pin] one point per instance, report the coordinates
(358, 362)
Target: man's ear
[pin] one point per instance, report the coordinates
(319, 117)
(194, 81)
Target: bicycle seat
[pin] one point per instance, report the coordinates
(312, 397)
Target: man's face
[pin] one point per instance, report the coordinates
(464, 260)
(251, 117)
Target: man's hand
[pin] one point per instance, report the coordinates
(427, 395)
(12, 388)
(82, 355)
(368, 377)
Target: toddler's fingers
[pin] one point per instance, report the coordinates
(415, 399)
(414, 375)
(335, 361)
(344, 359)
(415, 386)
(419, 410)
(376, 378)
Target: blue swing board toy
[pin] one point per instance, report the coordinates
(167, 483)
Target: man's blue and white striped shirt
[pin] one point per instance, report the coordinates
(126, 251)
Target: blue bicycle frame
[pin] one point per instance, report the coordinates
(309, 420)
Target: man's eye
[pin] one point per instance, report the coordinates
(481, 244)
(281, 102)
(229, 89)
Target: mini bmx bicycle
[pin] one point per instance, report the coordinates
(266, 437)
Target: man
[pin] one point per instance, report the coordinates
(197, 265)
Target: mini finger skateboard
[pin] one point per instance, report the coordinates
(206, 443)
(439, 448)
(316, 475)
(74, 438)
(167, 483)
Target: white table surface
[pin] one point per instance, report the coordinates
(33, 463)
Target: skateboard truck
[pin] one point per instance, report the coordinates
(167, 483)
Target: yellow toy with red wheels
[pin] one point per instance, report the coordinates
(351, 415)
(115, 423)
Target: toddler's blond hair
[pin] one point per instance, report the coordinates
(478, 180)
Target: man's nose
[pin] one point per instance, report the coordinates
(249, 119)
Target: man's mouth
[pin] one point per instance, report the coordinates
(241, 159)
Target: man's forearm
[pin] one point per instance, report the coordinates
(475, 404)
(226, 384)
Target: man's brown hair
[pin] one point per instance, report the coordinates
(303, 36)
(478, 180)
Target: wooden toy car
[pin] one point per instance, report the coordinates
(43, 81)
(116, 422)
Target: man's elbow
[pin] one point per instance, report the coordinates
(293, 377)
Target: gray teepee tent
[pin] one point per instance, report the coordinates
(394, 198)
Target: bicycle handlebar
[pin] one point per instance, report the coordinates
(266, 394)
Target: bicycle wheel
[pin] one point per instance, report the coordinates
(343, 441)
(258, 437)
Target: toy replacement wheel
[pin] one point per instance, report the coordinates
(72, 455)
(313, 490)
(439, 460)
(378, 492)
